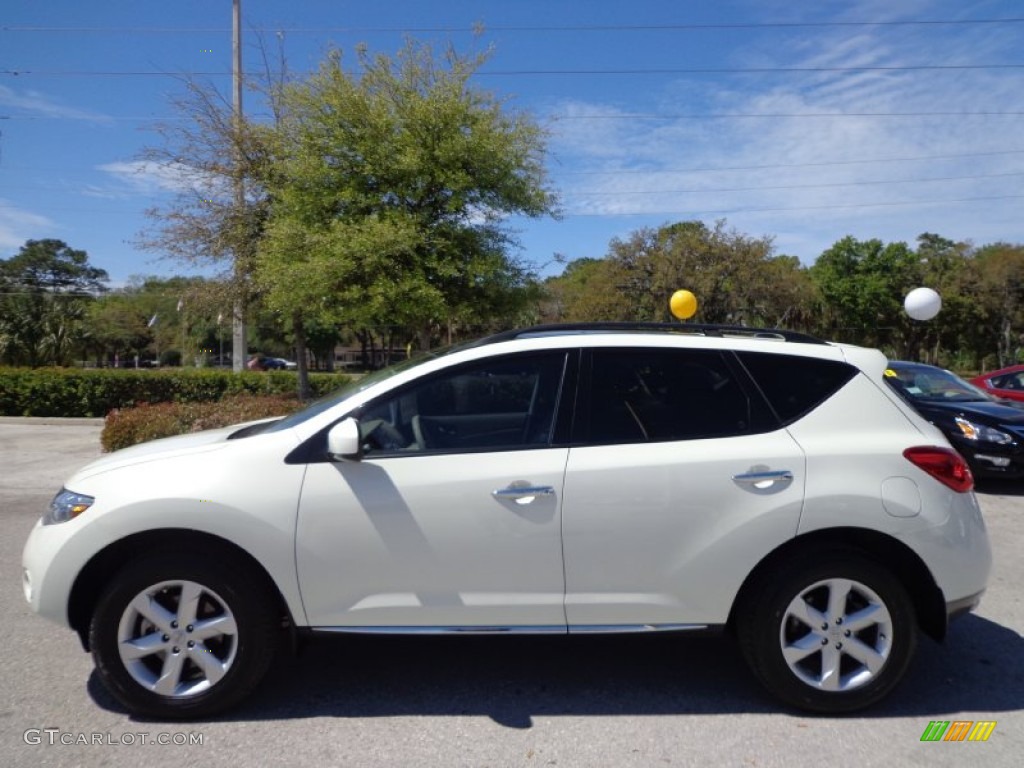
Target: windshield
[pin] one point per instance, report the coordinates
(935, 385)
(328, 401)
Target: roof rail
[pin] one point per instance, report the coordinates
(701, 329)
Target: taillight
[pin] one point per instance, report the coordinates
(945, 465)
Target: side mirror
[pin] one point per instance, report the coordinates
(343, 441)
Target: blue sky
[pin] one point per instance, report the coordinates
(805, 121)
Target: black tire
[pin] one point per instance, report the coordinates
(766, 624)
(237, 622)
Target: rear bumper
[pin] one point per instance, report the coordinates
(957, 553)
(963, 606)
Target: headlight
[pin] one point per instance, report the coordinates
(974, 431)
(66, 505)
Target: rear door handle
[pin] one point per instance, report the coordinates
(764, 479)
(523, 494)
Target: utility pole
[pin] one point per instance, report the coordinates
(239, 345)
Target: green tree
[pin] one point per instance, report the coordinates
(736, 278)
(155, 317)
(217, 163)
(719, 265)
(588, 290)
(1001, 294)
(783, 295)
(956, 335)
(861, 285)
(118, 326)
(391, 191)
(44, 288)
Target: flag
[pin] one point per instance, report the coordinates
(152, 322)
(220, 318)
(181, 303)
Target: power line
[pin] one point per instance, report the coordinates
(820, 164)
(483, 27)
(623, 116)
(881, 182)
(708, 191)
(554, 72)
(64, 209)
(47, 291)
(654, 171)
(775, 115)
(747, 70)
(892, 204)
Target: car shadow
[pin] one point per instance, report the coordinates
(514, 679)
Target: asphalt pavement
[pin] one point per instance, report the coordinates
(572, 701)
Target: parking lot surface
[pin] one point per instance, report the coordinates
(572, 701)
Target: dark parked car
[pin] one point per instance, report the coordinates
(278, 364)
(988, 432)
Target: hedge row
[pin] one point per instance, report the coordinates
(148, 422)
(96, 392)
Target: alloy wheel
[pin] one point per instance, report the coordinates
(177, 638)
(836, 635)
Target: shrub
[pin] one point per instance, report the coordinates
(95, 392)
(130, 426)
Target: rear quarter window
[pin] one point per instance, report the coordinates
(795, 386)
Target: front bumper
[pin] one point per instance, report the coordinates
(986, 463)
(992, 460)
(50, 564)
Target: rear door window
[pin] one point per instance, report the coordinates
(652, 395)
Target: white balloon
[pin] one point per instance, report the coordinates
(922, 304)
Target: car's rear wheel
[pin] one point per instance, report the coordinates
(180, 636)
(833, 633)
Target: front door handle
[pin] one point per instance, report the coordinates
(523, 494)
(762, 480)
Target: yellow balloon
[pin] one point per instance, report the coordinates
(683, 304)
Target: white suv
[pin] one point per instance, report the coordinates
(557, 479)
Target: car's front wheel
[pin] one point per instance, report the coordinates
(181, 636)
(831, 634)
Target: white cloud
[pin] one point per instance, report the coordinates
(146, 177)
(104, 193)
(18, 225)
(37, 104)
(800, 199)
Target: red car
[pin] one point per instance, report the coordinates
(1007, 383)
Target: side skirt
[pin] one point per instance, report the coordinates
(554, 629)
